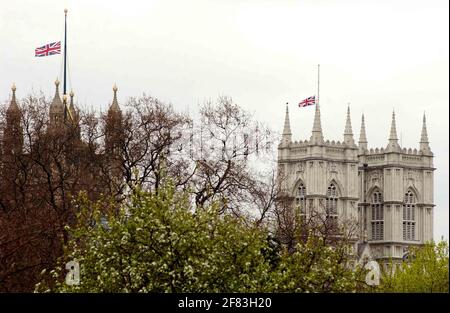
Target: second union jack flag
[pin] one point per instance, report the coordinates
(48, 49)
(307, 102)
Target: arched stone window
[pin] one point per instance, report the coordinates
(377, 221)
(301, 198)
(409, 220)
(331, 202)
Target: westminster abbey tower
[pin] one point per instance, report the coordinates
(387, 191)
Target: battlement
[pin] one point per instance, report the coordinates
(300, 143)
(408, 157)
(409, 151)
(327, 143)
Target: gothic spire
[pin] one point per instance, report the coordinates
(393, 139)
(287, 134)
(71, 106)
(73, 112)
(13, 133)
(393, 134)
(362, 136)
(13, 107)
(57, 105)
(115, 105)
(348, 133)
(424, 144)
(317, 136)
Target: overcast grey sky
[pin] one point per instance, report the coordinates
(376, 55)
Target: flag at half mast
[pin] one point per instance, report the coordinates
(48, 49)
(307, 102)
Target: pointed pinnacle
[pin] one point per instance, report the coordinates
(348, 123)
(424, 134)
(13, 105)
(393, 134)
(317, 127)
(317, 135)
(71, 94)
(362, 133)
(348, 133)
(393, 139)
(115, 105)
(13, 99)
(287, 123)
(57, 102)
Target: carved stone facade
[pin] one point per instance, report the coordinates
(388, 192)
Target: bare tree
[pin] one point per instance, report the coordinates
(46, 162)
(228, 138)
(38, 181)
(296, 224)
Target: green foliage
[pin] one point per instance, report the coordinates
(315, 266)
(425, 270)
(158, 244)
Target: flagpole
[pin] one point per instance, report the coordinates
(65, 66)
(318, 82)
(65, 50)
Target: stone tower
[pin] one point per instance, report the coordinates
(11, 153)
(396, 194)
(321, 175)
(113, 127)
(73, 117)
(13, 132)
(56, 109)
(387, 191)
(114, 142)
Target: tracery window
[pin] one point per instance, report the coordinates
(377, 221)
(409, 221)
(331, 203)
(301, 198)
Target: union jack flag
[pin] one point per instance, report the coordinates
(48, 49)
(307, 102)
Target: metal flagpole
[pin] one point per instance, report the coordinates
(65, 50)
(318, 82)
(65, 65)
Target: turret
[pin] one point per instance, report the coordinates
(113, 131)
(114, 105)
(57, 107)
(13, 108)
(72, 110)
(13, 132)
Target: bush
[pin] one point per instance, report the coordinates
(425, 270)
(157, 243)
